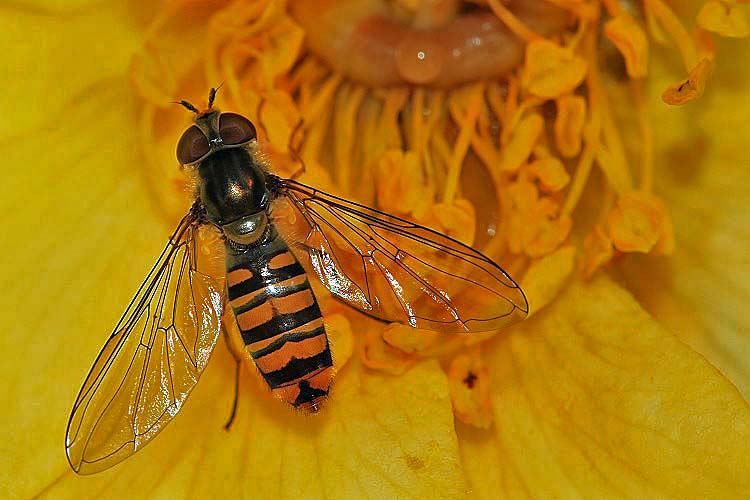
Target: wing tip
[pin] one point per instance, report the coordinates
(75, 464)
(525, 308)
(82, 467)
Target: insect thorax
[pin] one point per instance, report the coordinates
(233, 189)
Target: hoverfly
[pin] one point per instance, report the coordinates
(386, 267)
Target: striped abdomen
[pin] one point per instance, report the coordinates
(280, 322)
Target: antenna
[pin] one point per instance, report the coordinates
(212, 95)
(187, 105)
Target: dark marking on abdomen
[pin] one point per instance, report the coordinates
(280, 321)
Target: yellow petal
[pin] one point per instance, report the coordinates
(88, 240)
(401, 464)
(380, 436)
(724, 19)
(38, 81)
(593, 399)
(701, 292)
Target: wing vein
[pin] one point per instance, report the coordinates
(115, 406)
(435, 281)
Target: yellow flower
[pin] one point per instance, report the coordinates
(623, 218)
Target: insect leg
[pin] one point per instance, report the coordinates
(236, 395)
(237, 355)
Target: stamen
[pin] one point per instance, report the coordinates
(512, 22)
(436, 114)
(647, 139)
(469, 382)
(612, 157)
(348, 101)
(614, 8)
(317, 116)
(592, 132)
(671, 23)
(461, 145)
(417, 142)
(511, 101)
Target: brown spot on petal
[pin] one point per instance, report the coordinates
(469, 383)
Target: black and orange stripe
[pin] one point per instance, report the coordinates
(280, 321)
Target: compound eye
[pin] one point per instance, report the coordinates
(235, 129)
(192, 147)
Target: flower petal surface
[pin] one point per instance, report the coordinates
(593, 399)
(701, 292)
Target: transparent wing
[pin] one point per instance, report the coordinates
(155, 355)
(396, 270)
